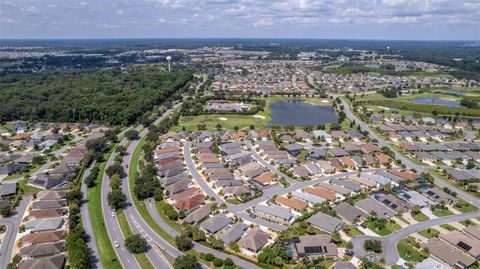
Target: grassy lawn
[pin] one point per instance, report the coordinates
(298, 229)
(429, 233)
(159, 205)
(404, 220)
(384, 231)
(404, 103)
(354, 232)
(464, 206)
(420, 217)
(140, 205)
(23, 174)
(408, 250)
(141, 258)
(448, 227)
(327, 263)
(241, 121)
(27, 189)
(302, 156)
(442, 212)
(107, 253)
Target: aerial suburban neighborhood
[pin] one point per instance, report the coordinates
(239, 153)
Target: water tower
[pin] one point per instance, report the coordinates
(169, 59)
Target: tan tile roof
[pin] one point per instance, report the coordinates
(321, 192)
(264, 178)
(292, 202)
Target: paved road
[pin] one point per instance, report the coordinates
(281, 191)
(87, 224)
(389, 243)
(272, 168)
(49, 162)
(198, 247)
(409, 164)
(193, 171)
(111, 223)
(12, 223)
(134, 219)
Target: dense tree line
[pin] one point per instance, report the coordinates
(470, 102)
(108, 96)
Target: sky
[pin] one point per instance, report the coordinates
(335, 19)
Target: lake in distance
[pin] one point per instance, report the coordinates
(436, 101)
(299, 113)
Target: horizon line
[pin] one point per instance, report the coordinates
(234, 38)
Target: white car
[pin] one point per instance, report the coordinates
(113, 214)
(116, 244)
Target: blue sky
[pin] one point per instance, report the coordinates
(360, 19)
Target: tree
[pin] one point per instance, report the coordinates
(373, 245)
(416, 209)
(234, 246)
(6, 210)
(131, 134)
(215, 242)
(185, 262)
(183, 242)
(135, 243)
(217, 262)
(121, 150)
(116, 199)
(197, 234)
(116, 168)
(269, 253)
(470, 164)
(37, 160)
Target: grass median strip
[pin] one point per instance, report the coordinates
(141, 207)
(107, 253)
(141, 258)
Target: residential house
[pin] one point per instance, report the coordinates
(273, 213)
(254, 240)
(325, 222)
(215, 224)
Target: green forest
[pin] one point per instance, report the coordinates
(113, 96)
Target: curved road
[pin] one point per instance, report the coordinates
(389, 242)
(12, 223)
(409, 164)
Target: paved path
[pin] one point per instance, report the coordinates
(389, 243)
(272, 168)
(198, 178)
(199, 247)
(12, 223)
(87, 224)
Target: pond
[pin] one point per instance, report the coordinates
(436, 101)
(299, 113)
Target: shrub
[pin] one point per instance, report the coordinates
(217, 262)
(209, 257)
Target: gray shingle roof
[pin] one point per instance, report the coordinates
(325, 222)
(234, 233)
(216, 223)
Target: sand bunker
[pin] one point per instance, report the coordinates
(259, 117)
